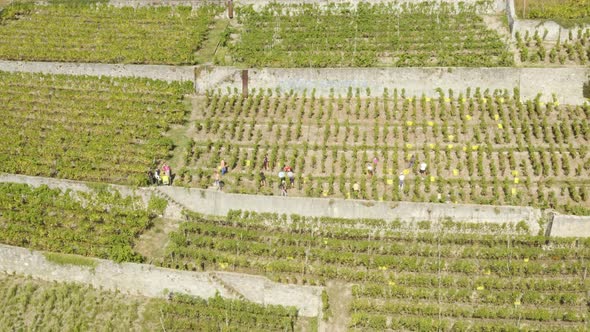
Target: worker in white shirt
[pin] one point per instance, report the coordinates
(423, 168)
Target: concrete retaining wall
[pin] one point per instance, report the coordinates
(144, 3)
(212, 202)
(218, 203)
(152, 281)
(158, 72)
(172, 211)
(567, 83)
(494, 7)
(570, 226)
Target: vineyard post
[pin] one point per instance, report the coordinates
(245, 83)
(230, 9)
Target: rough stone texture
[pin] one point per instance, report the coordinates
(567, 83)
(158, 72)
(152, 281)
(574, 226)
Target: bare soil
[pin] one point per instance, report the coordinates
(339, 297)
(152, 244)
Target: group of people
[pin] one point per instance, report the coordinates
(161, 175)
(286, 172)
(372, 166)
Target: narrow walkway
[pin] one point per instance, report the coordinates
(152, 281)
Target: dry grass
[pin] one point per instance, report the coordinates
(152, 243)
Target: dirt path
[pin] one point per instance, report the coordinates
(151, 281)
(152, 244)
(181, 135)
(496, 22)
(211, 49)
(339, 297)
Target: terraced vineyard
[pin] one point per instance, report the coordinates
(101, 224)
(566, 12)
(218, 314)
(29, 304)
(100, 33)
(479, 146)
(339, 35)
(36, 305)
(420, 277)
(87, 128)
(573, 50)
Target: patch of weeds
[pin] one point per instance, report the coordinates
(65, 259)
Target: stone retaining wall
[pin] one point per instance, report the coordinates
(566, 83)
(495, 6)
(570, 226)
(213, 202)
(151, 281)
(172, 211)
(218, 203)
(144, 3)
(157, 72)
